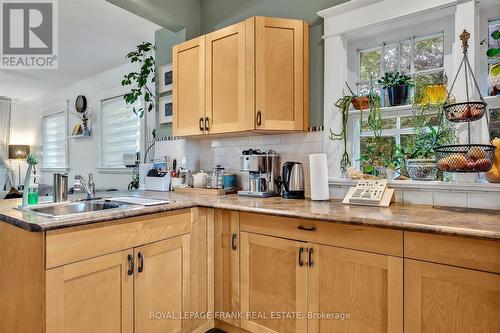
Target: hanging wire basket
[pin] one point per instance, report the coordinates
(464, 112)
(465, 158)
(468, 157)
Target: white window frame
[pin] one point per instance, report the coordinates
(106, 169)
(66, 150)
(392, 112)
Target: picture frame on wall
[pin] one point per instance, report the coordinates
(165, 108)
(166, 78)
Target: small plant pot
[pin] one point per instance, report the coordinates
(361, 101)
(422, 169)
(398, 95)
(435, 94)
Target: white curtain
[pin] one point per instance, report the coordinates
(6, 174)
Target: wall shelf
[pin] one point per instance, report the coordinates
(78, 136)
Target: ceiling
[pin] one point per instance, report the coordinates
(94, 36)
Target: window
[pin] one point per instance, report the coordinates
(54, 140)
(493, 25)
(120, 132)
(416, 56)
(422, 57)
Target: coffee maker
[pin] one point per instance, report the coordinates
(263, 173)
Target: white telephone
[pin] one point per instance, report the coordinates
(370, 193)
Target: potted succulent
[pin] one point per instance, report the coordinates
(398, 87)
(494, 52)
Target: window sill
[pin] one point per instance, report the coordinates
(43, 169)
(125, 171)
(432, 186)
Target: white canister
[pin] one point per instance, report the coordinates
(200, 180)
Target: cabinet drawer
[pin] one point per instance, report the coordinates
(74, 244)
(457, 251)
(378, 240)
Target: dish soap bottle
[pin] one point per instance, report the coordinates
(33, 194)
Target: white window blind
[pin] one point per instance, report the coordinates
(54, 140)
(120, 132)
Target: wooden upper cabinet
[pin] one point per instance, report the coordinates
(251, 76)
(189, 87)
(367, 286)
(93, 295)
(446, 299)
(281, 74)
(162, 285)
(225, 80)
(273, 281)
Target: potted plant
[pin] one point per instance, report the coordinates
(431, 89)
(398, 87)
(381, 159)
(494, 52)
(418, 152)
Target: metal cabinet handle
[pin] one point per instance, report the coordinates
(301, 262)
(130, 259)
(259, 118)
(313, 228)
(206, 124)
(141, 262)
(201, 124)
(233, 242)
(310, 259)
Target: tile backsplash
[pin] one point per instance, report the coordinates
(204, 154)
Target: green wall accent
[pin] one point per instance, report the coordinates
(164, 41)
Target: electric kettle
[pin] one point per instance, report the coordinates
(293, 180)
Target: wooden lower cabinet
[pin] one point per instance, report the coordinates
(162, 283)
(273, 282)
(94, 295)
(360, 291)
(447, 299)
(227, 266)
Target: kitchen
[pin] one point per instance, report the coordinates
(271, 179)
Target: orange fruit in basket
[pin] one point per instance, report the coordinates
(476, 153)
(457, 161)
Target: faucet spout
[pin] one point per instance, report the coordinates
(81, 185)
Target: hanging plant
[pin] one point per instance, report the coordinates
(144, 56)
(343, 104)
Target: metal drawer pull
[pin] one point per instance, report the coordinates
(233, 242)
(301, 262)
(201, 124)
(259, 118)
(130, 259)
(310, 259)
(141, 262)
(206, 124)
(313, 228)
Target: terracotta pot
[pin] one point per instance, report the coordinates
(358, 101)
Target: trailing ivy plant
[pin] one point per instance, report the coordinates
(144, 56)
(343, 104)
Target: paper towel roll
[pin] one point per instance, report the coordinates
(318, 170)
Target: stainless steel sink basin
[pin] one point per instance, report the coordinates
(78, 207)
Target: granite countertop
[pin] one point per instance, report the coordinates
(481, 224)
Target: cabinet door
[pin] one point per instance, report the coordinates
(446, 299)
(189, 87)
(225, 80)
(162, 286)
(281, 51)
(227, 265)
(365, 286)
(94, 295)
(273, 283)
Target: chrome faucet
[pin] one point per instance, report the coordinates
(81, 185)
